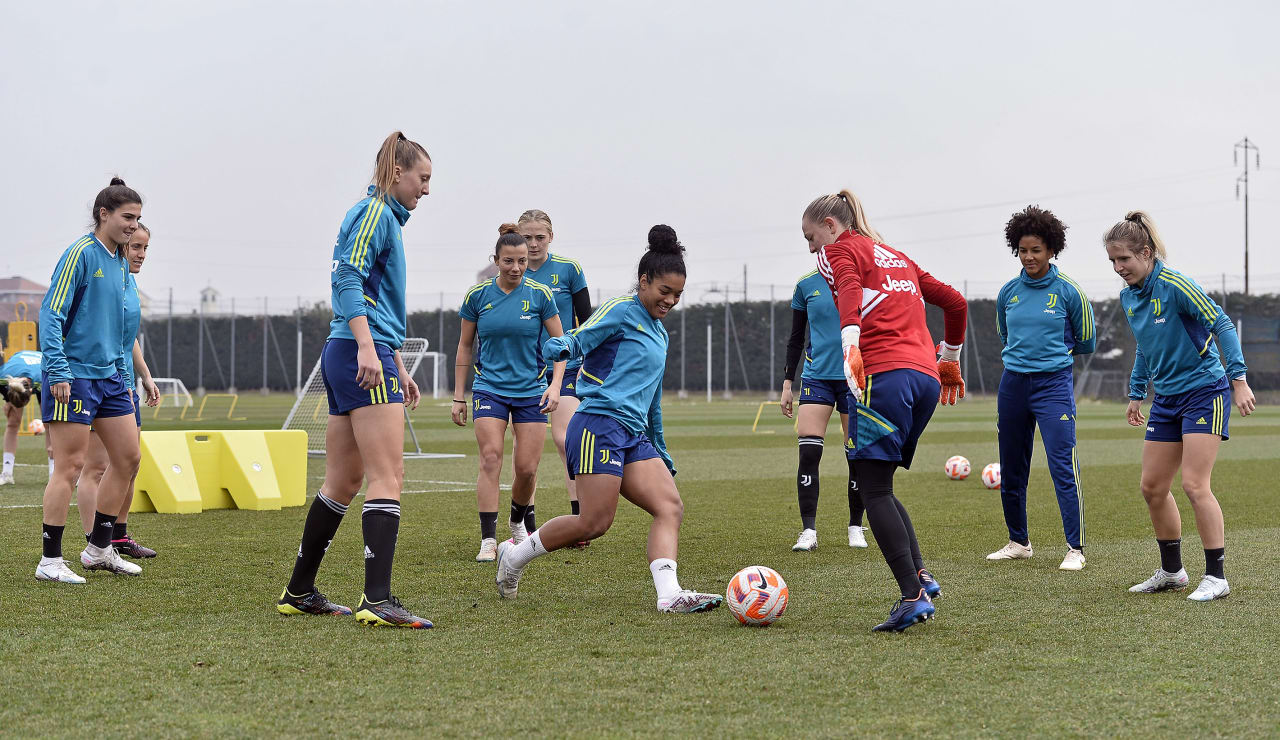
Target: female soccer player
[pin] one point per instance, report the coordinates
(21, 379)
(81, 326)
(564, 278)
(1044, 320)
(822, 388)
(878, 291)
(509, 314)
(96, 462)
(1174, 322)
(616, 445)
(368, 388)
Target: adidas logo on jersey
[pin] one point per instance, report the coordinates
(98, 273)
(1065, 418)
(367, 552)
(887, 259)
(487, 306)
(641, 328)
(816, 293)
(1201, 421)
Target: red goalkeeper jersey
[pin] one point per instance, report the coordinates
(884, 291)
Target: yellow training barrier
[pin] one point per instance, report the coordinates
(186, 472)
(235, 398)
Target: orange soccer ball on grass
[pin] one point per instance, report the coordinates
(757, 596)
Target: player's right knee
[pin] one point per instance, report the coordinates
(1154, 492)
(491, 460)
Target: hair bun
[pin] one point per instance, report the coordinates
(662, 238)
(117, 181)
(508, 229)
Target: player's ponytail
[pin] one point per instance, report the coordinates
(17, 391)
(395, 151)
(508, 236)
(112, 197)
(1135, 232)
(846, 210)
(665, 255)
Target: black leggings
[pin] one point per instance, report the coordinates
(890, 524)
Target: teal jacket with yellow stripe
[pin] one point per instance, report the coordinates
(82, 321)
(1174, 322)
(368, 270)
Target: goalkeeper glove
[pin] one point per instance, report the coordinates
(853, 372)
(949, 374)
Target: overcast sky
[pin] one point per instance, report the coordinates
(250, 129)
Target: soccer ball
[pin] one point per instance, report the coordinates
(36, 426)
(757, 596)
(991, 476)
(957, 467)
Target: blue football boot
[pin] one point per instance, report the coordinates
(906, 613)
(930, 584)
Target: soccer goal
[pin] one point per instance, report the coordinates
(173, 394)
(310, 411)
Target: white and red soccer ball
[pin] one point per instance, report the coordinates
(757, 595)
(957, 467)
(36, 426)
(991, 476)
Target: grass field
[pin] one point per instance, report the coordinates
(193, 646)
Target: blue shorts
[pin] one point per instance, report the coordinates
(90, 399)
(338, 369)
(825, 392)
(569, 386)
(1204, 410)
(596, 444)
(906, 399)
(137, 408)
(486, 405)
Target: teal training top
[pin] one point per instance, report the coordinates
(132, 320)
(563, 277)
(1174, 322)
(823, 356)
(368, 270)
(1044, 322)
(509, 327)
(82, 315)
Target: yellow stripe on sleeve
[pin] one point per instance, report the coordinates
(367, 226)
(1087, 307)
(600, 312)
(68, 271)
(1191, 292)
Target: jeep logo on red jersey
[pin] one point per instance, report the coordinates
(899, 286)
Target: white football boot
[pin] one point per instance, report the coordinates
(1210, 588)
(488, 550)
(1012, 551)
(6, 479)
(518, 532)
(1073, 561)
(857, 537)
(508, 578)
(807, 542)
(106, 558)
(688, 602)
(56, 569)
(1162, 580)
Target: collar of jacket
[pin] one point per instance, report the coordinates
(1040, 282)
(401, 213)
(1149, 282)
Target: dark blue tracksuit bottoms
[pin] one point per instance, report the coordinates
(1047, 400)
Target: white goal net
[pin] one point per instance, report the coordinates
(310, 411)
(173, 392)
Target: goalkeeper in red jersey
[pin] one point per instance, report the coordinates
(892, 369)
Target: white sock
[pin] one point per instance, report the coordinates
(51, 467)
(8, 463)
(664, 577)
(527, 550)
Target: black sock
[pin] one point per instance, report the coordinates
(103, 526)
(855, 499)
(916, 557)
(519, 512)
(52, 539)
(884, 515)
(488, 525)
(380, 521)
(1213, 561)
(322, 524)
(1170, 555)
(120, 531)
(530, 521)
(807, 479)
(573, 507)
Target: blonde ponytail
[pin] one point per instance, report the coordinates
(395, 150)
(845, 209)
(1136, 231)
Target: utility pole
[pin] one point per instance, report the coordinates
(1245, 146)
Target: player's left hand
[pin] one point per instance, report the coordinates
(411, 393)
(550, 399)
(952, 383)
(1243, 397)
(151, 392)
